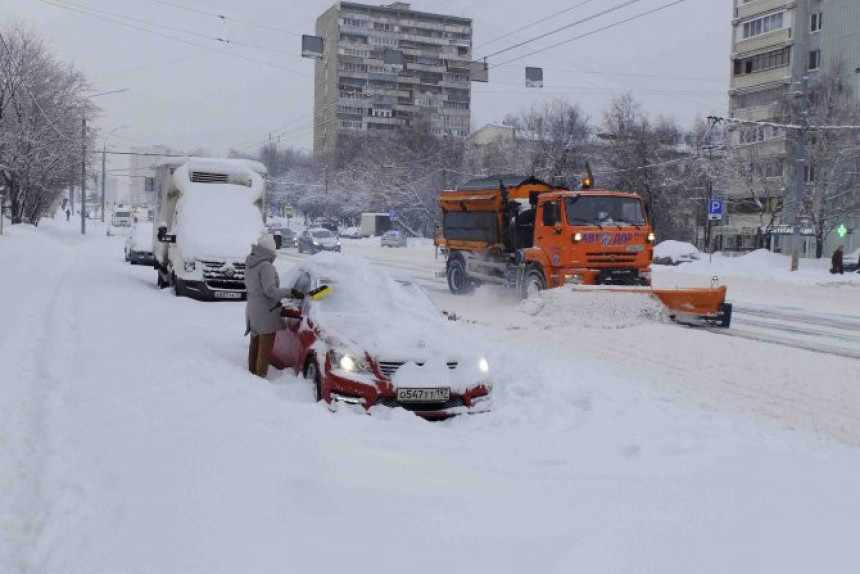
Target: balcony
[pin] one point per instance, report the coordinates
(762, 6)
(774, 75)
(771, 40)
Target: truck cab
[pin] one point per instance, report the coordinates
(591, 237)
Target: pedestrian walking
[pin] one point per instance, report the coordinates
(263, 309)
(68, 214)
(836, 265)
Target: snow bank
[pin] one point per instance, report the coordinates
(765, 265)
(593, 309)
(217, 221)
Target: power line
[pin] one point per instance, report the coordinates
(565, 27)
(533, 24)
(184, 41)
(222, 17)
(607, 27)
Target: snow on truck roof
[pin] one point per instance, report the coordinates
(221, 165)
(508, 179)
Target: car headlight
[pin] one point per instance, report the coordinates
(190, 266)
(317, 243)
(349, 362)
(484, 366)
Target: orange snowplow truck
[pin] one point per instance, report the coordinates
(525, 234)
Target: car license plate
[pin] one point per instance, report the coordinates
(227, 295)
(435, 395)
(635, 248)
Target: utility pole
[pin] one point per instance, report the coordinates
(103, 180)
(83, 175)
(800, 172)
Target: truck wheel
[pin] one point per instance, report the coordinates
(458, 279)
(533, 283)
(162, 284)
(178, 289)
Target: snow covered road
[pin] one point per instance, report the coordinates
(133, 440)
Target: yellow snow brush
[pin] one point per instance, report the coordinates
(319, 292)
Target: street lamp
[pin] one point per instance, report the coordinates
(104, 148)
(84, 158)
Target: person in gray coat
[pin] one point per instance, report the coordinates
(263, 310)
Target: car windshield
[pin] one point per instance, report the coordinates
(322, 233)
(604, 210)
(122, 214)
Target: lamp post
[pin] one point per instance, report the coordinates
(84, 158)
(104, 149)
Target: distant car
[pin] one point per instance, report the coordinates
(138, 245)
(317, 239)
(374, 340)
(121, 218)
(352, 233)
(392, 238)
(288, 237)
(326, 223)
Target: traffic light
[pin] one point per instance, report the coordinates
(841, 231)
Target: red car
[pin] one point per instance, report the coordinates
(374, 341)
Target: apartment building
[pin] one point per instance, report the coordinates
(355, 91)
(775, 43)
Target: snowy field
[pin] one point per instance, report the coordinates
(133, 440)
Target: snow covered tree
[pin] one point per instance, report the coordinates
(42, 103)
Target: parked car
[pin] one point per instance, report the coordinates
(327, 223)
(138, 245)
(284, 237)
(374, 340)
(392, 238)
(122, 217)
(317, 239)
(352, 233)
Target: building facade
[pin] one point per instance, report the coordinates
(355, 91)
(776, 43)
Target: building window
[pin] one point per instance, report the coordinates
(759, 134)
(381, 41)
(351, 125)
(356, 23)
(764, 25)
(772, 168)
(809, 173)
(759, 98)
(352, 110)
(816, 22)
(765, 61)
(381, 113)
(814, 60)
(355, 52)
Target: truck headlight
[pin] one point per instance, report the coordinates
(577, 237)
(651, 237)
(349, 362)
(190, 266)
(484, 366)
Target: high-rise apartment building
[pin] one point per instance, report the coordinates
(355, 91)
(775, 43)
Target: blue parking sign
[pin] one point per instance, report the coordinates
(715, 206)
(393, 215)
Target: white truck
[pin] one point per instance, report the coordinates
(208, 214)
(122, 217)
(375, 224)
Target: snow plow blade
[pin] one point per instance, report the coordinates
(690, 306)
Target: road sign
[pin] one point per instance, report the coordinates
(715, 210)
(393, 215)
(288, 211)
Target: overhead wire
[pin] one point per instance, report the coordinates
(58, 4)
(227, 18)
(533, 24)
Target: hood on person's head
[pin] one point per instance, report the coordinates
(263, 250)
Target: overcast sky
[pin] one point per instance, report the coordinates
(188, 90)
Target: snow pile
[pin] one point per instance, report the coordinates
(217, 221)
(676, 250)
(764, 265)
(593, 309)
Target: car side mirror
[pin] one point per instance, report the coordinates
(291, 312)
(163, 237)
